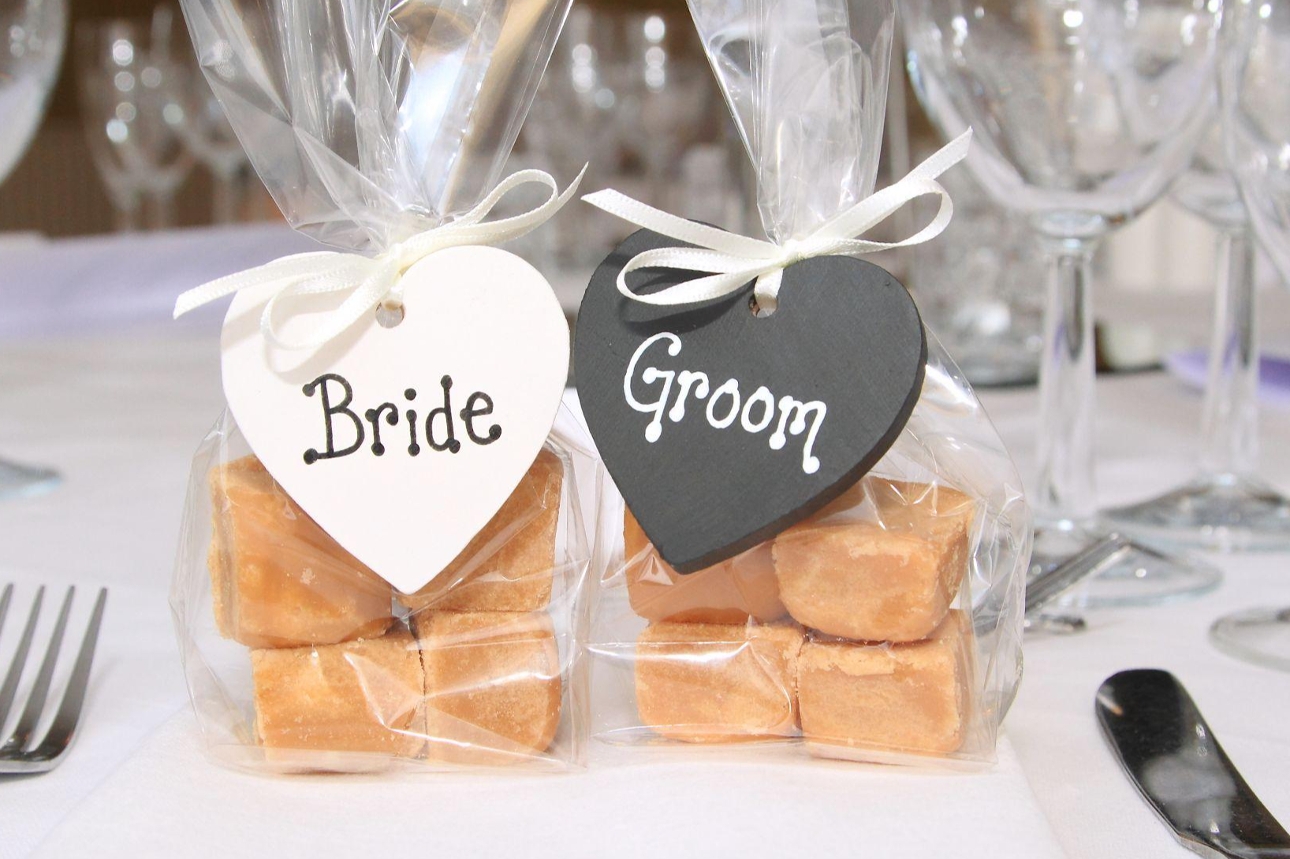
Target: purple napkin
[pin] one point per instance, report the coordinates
(1192, 367)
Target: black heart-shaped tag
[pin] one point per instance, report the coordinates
(722, 428)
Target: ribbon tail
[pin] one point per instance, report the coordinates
(944, 158)
(692, 291)
(368, 280)
(282, 271)
(674, 227)
(472, 229)
(734, 259)
(725, 274)
(527, 223)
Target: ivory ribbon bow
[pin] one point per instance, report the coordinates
(374, 280)
(732, 260)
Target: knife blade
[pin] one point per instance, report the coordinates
(1173, 758)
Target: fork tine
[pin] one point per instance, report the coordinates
(10, 687)
(60, 732)
(40, 689)
(4, 604)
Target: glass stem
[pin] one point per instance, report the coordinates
(1065, 496)
(656, 162)
(126, 213)
(1231, 434)
(227, 195)
(163, 210)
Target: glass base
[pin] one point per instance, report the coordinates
(1042, 623)
(1259, 635)
(1224, 512)
(1005, 368)
(1137, 575)
(19, 480)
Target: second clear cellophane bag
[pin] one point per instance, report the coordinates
(886, 626)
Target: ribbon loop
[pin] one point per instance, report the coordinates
(369, 281)
(730, 260)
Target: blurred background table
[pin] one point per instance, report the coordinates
(97, 382)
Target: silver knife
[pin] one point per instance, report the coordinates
(1175, 761)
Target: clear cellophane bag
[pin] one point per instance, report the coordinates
(887, 626)
(371, 121)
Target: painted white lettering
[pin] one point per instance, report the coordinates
(650, 375)
(685, 380)
(729, 387)
(787, 406)
(755, 414)
(767, 399)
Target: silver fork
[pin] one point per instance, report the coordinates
(18, 754)
(1047, 586)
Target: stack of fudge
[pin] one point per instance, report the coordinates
(839, 630)
(465, 670)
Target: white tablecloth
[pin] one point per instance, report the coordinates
(118, 405)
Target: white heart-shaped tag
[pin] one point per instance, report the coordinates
(472, 377)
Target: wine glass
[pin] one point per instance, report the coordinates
(32, 50)
(572, 123)
(132, 118)
(666, 92)
(1256, 130)
(1084, 112)
(976, 288)
(33, 33)
(209, 136)
(203, 126)
(1226, 506)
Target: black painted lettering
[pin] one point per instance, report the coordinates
(473, 411)
(413, 447)
(449, 442)
(320, 385)
(374, 418)
(439, 425)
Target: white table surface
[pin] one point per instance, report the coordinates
(117, 400)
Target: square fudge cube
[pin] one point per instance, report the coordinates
(509, 564)
(881, 563)
(492, 685)
(913, 697)
(356, 696)
(733, 591)
(718, 683)
(277, 578)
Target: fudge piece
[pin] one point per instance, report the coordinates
(718, 683)
(508, 565)
(279, 580)
(881, 563)
(357, 696)
(889, 697)
(492, 685)
(729, 592)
